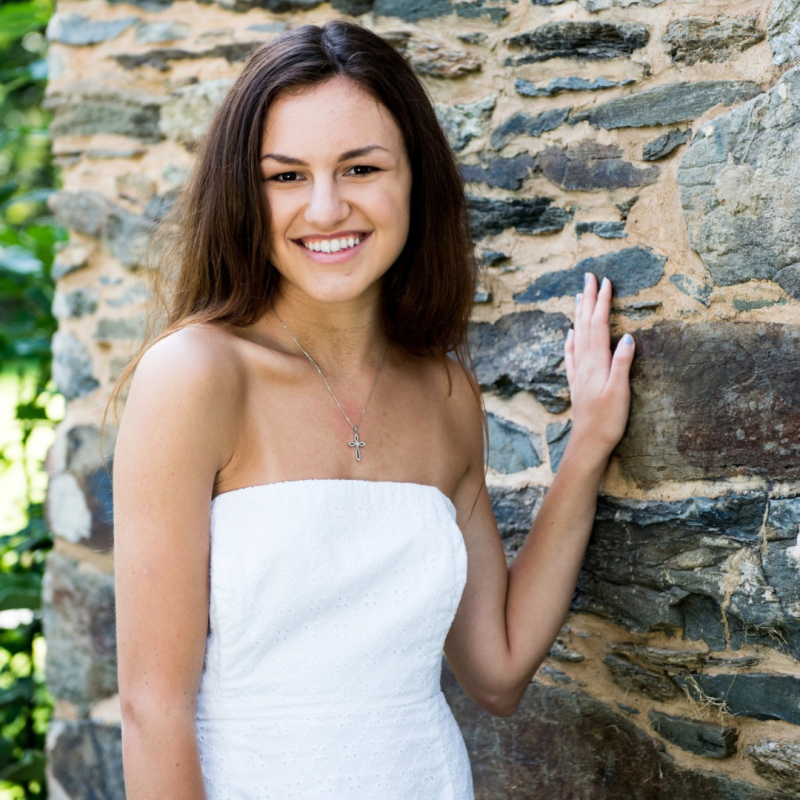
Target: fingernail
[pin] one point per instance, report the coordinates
(570, 333)
(605, 281)
(577, 299)
(585, 278)
(627, 338)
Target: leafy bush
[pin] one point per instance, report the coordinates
(29, 236)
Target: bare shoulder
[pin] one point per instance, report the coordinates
(192, 378)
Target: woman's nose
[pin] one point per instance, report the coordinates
(326, 207)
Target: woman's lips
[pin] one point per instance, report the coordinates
(333, 258)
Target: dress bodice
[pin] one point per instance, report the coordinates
(329, 604)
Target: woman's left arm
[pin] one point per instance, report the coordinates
(509, 618)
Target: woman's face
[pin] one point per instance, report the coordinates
(338, 185)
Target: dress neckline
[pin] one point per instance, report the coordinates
(361, 481)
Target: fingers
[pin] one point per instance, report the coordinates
(621, 363)
(583, 314)
(600, 335)
(569, 356)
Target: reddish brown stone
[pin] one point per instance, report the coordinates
(712, 400)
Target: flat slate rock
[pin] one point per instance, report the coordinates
(534, 215)
(523, 352)
(703, 738)
(582, 40)
(696, 39)
(629, 271)
(779, 763)
(740, 218)
(666, 105)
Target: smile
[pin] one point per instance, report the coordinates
(332, 250)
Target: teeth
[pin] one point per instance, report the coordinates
(332, 245)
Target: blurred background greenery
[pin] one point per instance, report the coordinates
(29, 403)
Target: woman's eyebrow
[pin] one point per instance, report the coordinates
(359, 151)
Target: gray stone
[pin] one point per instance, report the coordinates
(691, 288)
(561, 652)
(534, 215)
(523, 351)
(475, 37)
(570, 84)
(135, 293)
(85, 107)
(605, 230)
(694, 564)
(73, 305)
(741, 304)
(601, 5)
(697, 291)
(78, 621)
(433, 58)
(72, 366)
(512, 447)
(555, 675)
(563, 743)
(733, 188)
(581, 40)
(625, 207)
(160, 58)
(75, 29)
(707, 402)
(629, 271)
(756, 695)
(703, 738)
(522, 124)
(109, 330)
(352, 7)
(479, 8)
(699, 39)
(187, 112)
(491, 258)
(68, 259)
(79, 506)
(557, 439)
(412, 9)
(126, 235)
(84, 760)
(154, 32)
(636, 678)
(641, 310)
(663, 145)
(464, 122)
(666, 105)
(506, 173)
(783, 30)
(779, 763)
(590, 166)
(515, 509)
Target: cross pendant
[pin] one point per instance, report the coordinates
(357, 443)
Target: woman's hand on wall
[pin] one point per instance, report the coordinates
(598, 382)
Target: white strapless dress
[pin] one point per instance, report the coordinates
(330, 601)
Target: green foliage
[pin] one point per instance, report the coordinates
(29, 237)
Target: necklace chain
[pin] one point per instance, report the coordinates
(357, 444)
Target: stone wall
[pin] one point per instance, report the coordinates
(652, 141)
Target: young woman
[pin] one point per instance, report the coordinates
(302, 520)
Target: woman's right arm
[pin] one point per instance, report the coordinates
(176, 433)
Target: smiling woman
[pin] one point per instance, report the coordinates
(283, 600)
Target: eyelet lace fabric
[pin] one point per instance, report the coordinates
(330, 601)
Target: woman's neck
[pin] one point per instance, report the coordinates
(344, 337)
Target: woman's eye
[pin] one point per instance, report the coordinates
(364, 170)
(284, 177)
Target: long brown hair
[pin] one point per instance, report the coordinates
(209, 258)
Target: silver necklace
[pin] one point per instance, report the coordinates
(356, 444)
